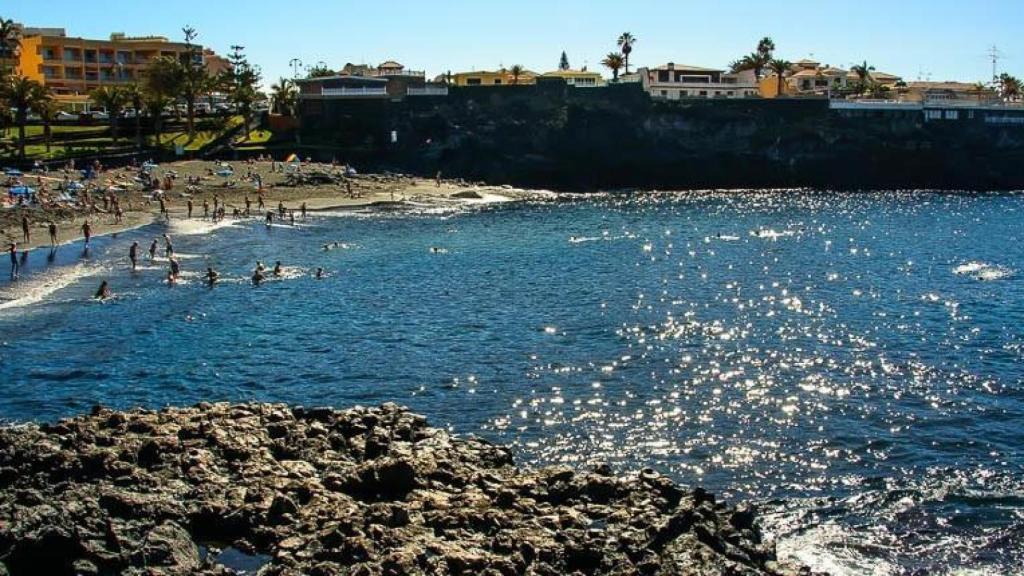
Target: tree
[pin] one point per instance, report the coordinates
(563, 63)
(22, 94)
(752, 61)
(780, 67)
(194, 77)
(241, 81)
(766, 50)
(47, 110)
(626, 42)
(133, 95)
(1009, 87)
(10, 40)
(613, 61)
(161, 83)
(283, 96)
(112, 99)
(863, 72)
(319, 72)
(516, 72)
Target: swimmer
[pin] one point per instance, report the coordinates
(152, 250)
(171, 280)
(278, 270)
(319, 273)
(133, 255)
(259, 266)
(257, 277)
(104, 292)
(175, 268)
(211, 276)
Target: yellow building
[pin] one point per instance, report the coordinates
(73, 67)
(577, 78)
(503, 77)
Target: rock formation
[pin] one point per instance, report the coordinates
(268, 489)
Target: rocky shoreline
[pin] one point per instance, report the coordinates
(265, 488)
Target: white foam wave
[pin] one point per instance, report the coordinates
(196, 227)
(983, 271)
(36, 288)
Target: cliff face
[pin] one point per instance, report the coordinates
(290, 491)
(558, 137)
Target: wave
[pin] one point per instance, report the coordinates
(36, 288)
(983, 271)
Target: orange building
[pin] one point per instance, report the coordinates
(73, 67)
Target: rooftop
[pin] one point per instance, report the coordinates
(685, 68)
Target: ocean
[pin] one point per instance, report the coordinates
(853, 363)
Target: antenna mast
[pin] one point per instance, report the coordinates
(995, 55)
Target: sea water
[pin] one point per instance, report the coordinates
(854, 363)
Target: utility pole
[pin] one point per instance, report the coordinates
(995, 55)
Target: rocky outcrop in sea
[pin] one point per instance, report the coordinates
(221, 489)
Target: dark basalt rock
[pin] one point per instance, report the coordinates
(322, 491)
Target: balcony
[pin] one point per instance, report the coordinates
(360, 92)
(413, 73)
(428, 91)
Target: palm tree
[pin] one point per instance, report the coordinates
(614, 62)
(155, 103)
(752, 61)
(516, 72)
(779, 67)
(626, 42)
(9, 42)
(22, 93)
(979, 89)
(1009, 87)
(47, 109)
(863, 72)
(283, 96)
(112, 99)
(133, 95)
(766, 49)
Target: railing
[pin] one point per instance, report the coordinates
(361, 91)
(417, 73)
(428, 91)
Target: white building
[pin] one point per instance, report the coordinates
(678, 81)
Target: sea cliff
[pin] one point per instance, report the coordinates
(220, 488)
(563, 138)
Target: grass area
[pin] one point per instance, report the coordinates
(202, 137)
(258, 137)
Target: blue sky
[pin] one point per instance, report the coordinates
(936, 39)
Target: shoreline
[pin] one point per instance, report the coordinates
(368, 191)
(290, 490)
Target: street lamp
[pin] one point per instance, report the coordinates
(295, 63)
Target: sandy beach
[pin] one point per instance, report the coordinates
(140, 207)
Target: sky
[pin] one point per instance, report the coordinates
(917, 39)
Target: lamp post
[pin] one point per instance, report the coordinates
(295, 63)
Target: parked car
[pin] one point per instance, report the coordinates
(64, 116)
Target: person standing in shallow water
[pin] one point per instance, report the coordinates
(152, 250)
(133, 255)
(211, 276)
(189, 205)
(26, 231)
(168, 247)
(14, 261)
(53, 233)
(87, 232)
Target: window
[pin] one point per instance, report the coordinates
(703, 92)
(730, 93)
(664, 93)
(473, 82)
(952, 114)
(933, 114)
(497, 80)
(684, 92)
